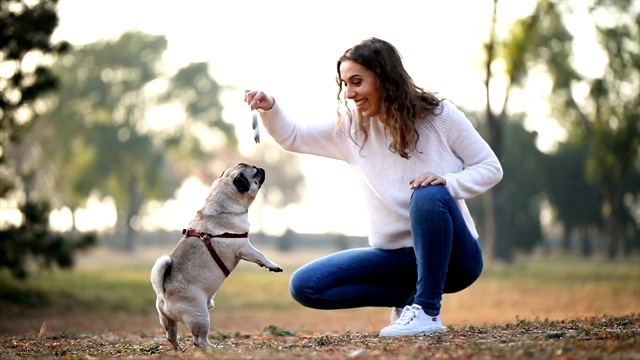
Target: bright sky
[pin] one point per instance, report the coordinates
(289, 49)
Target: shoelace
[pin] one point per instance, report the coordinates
(408, 314)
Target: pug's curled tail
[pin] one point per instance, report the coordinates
(159, 273)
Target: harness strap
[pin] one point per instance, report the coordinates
(216, 257)
(205, 237)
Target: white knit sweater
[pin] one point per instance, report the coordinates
(449, 146)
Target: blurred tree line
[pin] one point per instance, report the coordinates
(77, 124)
(591, 182)
(27, 87)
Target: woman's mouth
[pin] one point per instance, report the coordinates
(361, 104)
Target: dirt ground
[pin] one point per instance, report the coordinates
(589, 338)
(598, 319)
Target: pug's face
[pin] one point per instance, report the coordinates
(247, 179)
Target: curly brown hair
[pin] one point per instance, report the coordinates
(404, 105)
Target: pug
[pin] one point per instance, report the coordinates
(217, 239)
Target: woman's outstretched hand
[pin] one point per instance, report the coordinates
(258, 100)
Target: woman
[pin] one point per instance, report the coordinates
(417, 158)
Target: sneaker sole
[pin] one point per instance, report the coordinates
(424, 333)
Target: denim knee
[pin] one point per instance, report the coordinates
(299, 289)
(430, 195)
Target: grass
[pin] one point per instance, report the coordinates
(116, 289)
(106, 281)
(107, 302)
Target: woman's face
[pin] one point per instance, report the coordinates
(361, 86)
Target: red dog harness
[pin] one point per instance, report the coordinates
(205, 237)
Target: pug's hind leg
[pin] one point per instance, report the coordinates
(199, 326)
(251, 254)
(171, 332)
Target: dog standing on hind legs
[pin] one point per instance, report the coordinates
(217, 239)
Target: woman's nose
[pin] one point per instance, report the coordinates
(350, 93)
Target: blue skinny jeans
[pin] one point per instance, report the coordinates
(445, 258)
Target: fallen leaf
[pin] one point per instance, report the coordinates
(43, 328)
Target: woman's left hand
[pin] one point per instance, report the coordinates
(427, 178)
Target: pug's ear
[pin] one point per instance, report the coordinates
(224, 173)
(241, 183)
(263, 175)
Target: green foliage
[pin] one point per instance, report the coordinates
(606, 122)
(93, 290)
(576, 202)
(524, 186)
(25, 30)
(105, 142)
(101, 108)
(590, 180)
(96, 137)
(540, 37)
(101, 111)
(198, 93)
(203, 135)
(33, 242)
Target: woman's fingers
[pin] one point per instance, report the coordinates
(258, 100)
(427, 178)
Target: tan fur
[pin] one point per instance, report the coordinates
(187, 280)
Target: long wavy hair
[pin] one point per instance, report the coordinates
(404, 105)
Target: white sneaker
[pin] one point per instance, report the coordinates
(413, 321)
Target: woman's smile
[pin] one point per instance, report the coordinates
(361, 86)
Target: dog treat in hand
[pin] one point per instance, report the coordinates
(256, 130)
(254, 121)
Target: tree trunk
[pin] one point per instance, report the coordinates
(611, 236)
(135, 204)
(502, 244)
(566, 240)
(489, 235)
(586, 249)
(497, 246)
(74, 221)
(612, 200)
(130, 235)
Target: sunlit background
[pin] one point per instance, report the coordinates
(289, 49)
(559, 243)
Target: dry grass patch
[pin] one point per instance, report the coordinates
(534, 309)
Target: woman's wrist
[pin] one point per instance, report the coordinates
(273, 103)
